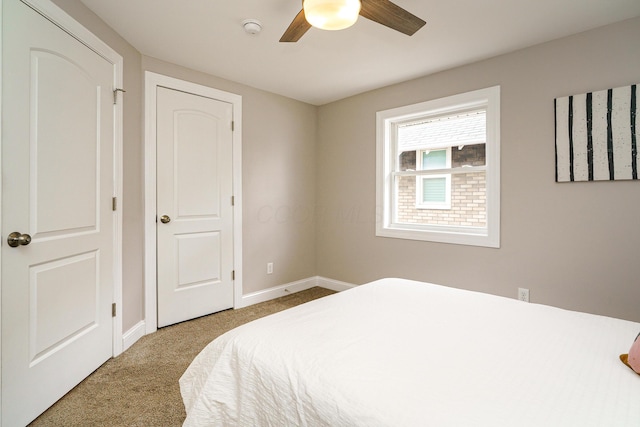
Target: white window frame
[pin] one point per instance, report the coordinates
(387, 169)
(420, 203)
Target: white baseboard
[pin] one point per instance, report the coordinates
(334, 285)
(289, 288)
(277, 292)
(132, 335)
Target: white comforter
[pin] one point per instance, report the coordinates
(402, 353)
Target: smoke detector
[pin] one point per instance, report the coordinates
(252, 26)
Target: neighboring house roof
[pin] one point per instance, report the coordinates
(450, 131)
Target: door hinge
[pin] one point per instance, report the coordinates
(233, 125)
(114, 203)
(233, 200)
(115, 95)
(233, 275)
(113, 310)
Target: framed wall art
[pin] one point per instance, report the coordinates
(597, 135)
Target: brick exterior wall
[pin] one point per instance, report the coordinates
(468, 192)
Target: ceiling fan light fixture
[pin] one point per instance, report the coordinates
(331, 14)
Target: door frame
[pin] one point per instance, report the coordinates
(152, 82)
(64, 21)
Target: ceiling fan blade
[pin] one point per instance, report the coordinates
(296, 29)
(391, 15)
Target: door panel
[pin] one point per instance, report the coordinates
(192, 247)
(194, 185)
(64, 98)
(54, 326)
(57, 165)
(196, 163)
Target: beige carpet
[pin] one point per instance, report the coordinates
(140, 387)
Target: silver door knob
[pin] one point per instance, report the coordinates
(16, 239)
(165, 219)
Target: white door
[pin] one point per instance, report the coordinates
(194, 206)
(57, 185)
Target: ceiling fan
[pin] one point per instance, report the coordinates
(340, 14)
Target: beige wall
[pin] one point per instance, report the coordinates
(573, 245)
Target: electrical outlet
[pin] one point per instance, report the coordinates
(523, 294)
(269, 268)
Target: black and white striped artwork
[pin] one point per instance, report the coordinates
(597, 135)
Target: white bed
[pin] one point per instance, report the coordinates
(396, 352)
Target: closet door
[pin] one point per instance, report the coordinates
(194, 206)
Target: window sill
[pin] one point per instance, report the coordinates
(469, 236)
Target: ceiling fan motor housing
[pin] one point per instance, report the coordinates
(331, 14)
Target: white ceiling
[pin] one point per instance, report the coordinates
(324, 66)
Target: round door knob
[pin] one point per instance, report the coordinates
(16, 239)
(165, 219)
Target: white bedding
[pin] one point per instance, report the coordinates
(402, 353)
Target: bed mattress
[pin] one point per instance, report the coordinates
(397, 352)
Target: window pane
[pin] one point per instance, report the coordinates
(463, 129)
(435, 159)
(407, 161)
(434, 190)
(468, 155)
(468, 202)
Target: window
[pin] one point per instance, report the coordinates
(438, 170)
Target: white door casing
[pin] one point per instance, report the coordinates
(194, 203)
(155, 84)
(61, 145)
